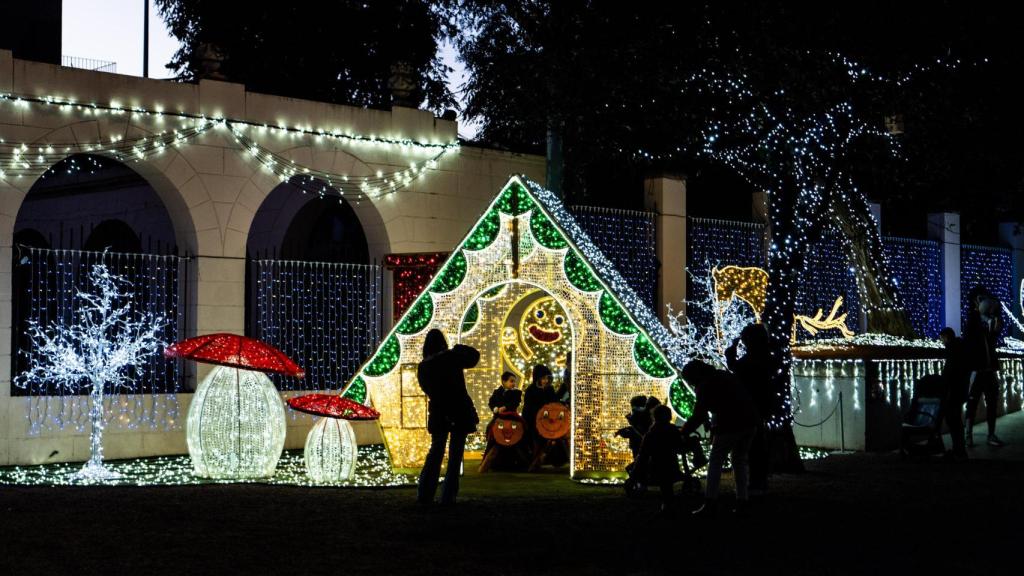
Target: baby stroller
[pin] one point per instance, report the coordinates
(691, 460)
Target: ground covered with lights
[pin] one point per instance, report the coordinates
(848, 514)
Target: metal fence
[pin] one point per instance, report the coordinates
(627, 238)
(88, 64)
(325, 316)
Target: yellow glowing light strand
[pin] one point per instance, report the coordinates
(748, 283)
(814, 324)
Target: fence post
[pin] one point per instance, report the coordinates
(666, 195)
(944, 227)
(1012, 234)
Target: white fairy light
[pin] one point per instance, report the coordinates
(236, 425)
(106, 340)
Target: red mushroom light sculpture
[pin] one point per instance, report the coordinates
(236, 423)
(331, 452)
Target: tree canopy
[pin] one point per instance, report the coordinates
(341, 51)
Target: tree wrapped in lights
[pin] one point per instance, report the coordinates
(804, 161)
(101, 347)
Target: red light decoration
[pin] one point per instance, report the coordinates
(412, 273)
(332, 406)
(235, 351)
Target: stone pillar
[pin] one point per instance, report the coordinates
(944, 227)
(1012, 234)
(666, 195)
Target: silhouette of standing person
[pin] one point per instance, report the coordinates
(450, 413)
(754, 370)
(733, 425)
(983, 326)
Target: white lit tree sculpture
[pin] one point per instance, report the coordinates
(104, 341)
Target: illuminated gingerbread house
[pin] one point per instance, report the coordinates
(527, 286)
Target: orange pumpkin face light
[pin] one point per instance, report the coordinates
(553, 421)
(507, 429)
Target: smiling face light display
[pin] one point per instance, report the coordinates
(543, 336)
(553, 421)
(507, 429)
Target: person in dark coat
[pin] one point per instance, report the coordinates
(957, 379)
(658, 460)
(984, 323)
(754, 370)
(450, 412)
(505, 399)
(538, 393)
(732, 427)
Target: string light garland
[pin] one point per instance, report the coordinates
(21, 159)
(323, 183)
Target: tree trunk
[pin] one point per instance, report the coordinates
(94, 468)
(864, 247)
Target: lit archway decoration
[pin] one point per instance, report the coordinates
(526, 237)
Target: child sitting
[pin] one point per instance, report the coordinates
(639, 422)
(658, 461)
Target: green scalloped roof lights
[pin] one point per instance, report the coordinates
(579, 274)
(356, 391)
(485, 232)
(545, 232)
(418, 317)
(681, 398)
(386, 358)
(614, 316)
(524, 202)
(453, 273)
(649, 359)
(472, 315)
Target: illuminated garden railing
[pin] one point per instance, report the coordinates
(916, 266)
(857, 402)
(986, 266)
(627, 238)
(45, 285)
(325, 316)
